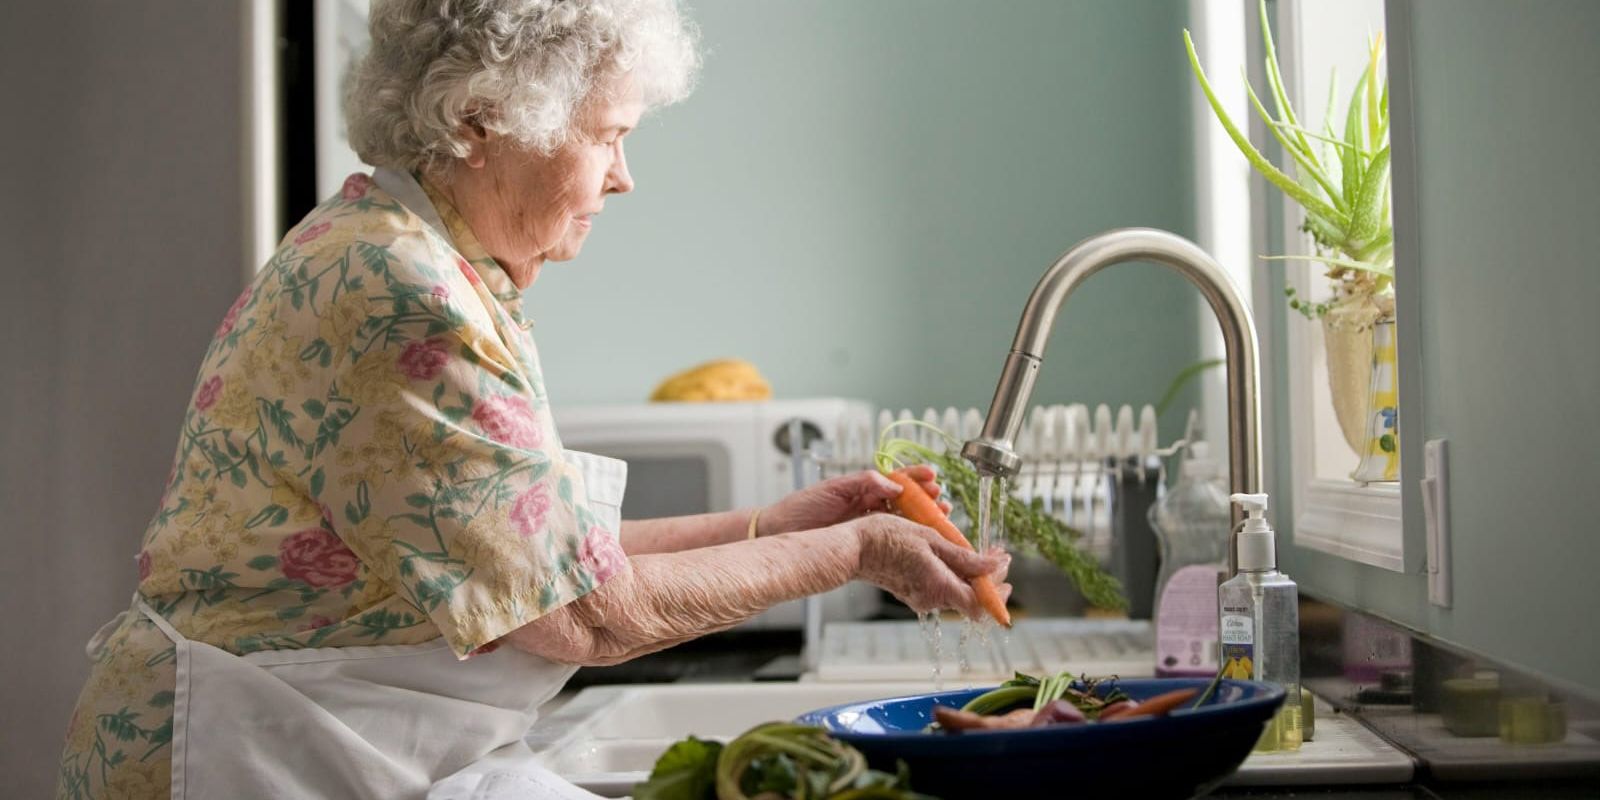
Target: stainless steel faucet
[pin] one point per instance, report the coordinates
(992, 452)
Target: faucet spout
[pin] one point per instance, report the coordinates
(993, 452)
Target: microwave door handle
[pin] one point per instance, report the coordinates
(811, 641)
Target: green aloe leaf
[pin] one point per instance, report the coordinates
(1274, 76)
(1351, 155)
(1364, 218)
(1373, 111)
(1306, 160)
(1287, 184)
(1314, 135)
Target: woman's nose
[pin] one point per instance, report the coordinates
(618, 181)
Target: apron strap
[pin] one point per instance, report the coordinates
(410, 194)
(97, 642)
(160, 621)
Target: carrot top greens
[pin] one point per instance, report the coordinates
(1027, 525)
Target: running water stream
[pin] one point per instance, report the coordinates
(934, 636)
(991, 533)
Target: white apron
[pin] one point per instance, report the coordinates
(397, 721)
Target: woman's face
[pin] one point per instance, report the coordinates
(526, 207)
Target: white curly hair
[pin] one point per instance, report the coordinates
(520, 68)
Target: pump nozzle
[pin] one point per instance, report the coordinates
(1255, 505)
(1256, 550)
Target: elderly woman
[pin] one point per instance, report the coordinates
(373, 560)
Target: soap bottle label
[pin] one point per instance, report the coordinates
(1186, 624)
(1238, 644)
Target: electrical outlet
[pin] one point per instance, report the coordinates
(1436, 519)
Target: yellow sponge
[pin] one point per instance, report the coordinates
(723, 380)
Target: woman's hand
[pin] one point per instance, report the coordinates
(915, 564)
(842, 499)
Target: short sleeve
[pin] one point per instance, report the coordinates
(438, 463)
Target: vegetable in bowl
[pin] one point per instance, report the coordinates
(772, 761)
(1029, 702)
(1199, 742)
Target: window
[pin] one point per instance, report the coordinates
(1333, 513)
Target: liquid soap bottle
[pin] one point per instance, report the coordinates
(1260, 624)
(1192, 521)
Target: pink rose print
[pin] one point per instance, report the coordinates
(528, 512)
(232, 316)
(440, 291)
(601, 555)
(467, 270)
(316, 622)
(422, 361)
(315, 557)
(355, 187)
(144, 564)
(208, 393)
(313, 232)
(508, 420)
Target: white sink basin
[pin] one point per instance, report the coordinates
(607, 738)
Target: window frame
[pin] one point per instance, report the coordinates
(1358, 522)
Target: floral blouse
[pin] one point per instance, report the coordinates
(367, 458)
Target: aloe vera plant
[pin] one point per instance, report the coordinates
(1341, 180)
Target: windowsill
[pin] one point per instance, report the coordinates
(1357, 522)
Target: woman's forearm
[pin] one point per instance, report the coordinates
(676, 534)
(665, 599)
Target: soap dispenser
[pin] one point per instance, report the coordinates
(1192, 522)
(1259, 621)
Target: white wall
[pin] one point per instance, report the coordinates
(120, 245)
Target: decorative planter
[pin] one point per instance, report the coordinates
(1380, 449)
(1354, 332)
(1348, 345)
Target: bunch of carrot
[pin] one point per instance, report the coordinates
(915, 504)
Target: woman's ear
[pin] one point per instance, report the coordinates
(476, 138)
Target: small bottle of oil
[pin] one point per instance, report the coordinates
(1260, 623)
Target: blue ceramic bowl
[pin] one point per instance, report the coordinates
(1183, 754)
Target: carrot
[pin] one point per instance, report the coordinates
(915, 504)
(1154, 707)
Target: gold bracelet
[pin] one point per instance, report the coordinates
(754, 519)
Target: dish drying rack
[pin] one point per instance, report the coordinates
(1073, 459)
(1097, 471)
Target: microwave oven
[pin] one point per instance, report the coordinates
(697, 458)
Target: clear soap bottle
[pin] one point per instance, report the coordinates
(1192, 522)
(1259, 619)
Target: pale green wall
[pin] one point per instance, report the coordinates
(860, 195)
(1506, 122)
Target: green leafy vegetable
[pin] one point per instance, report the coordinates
(1082, 691)
(1027, 525)
(1002, 699)
(1210, 690)
(773, 761)
(686, 771)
